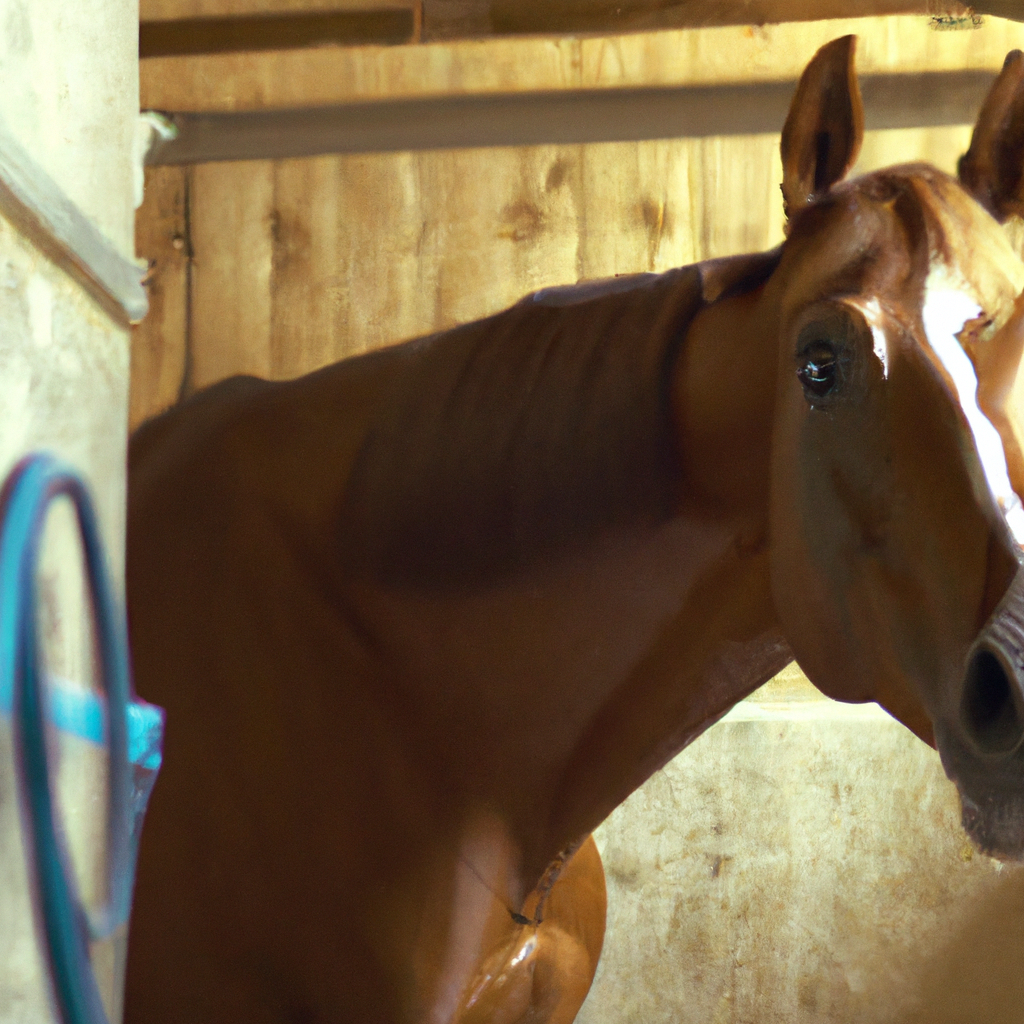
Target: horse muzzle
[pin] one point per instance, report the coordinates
(983, 750)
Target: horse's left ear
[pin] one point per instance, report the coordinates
(992, 170)
(825, 126)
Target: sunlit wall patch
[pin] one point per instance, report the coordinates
(946, 309)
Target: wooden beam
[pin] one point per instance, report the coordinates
(1011, 9)
(184, 10)
(275, 32)
(450, 19)
(462, 19)
(334, 76)
(568, 117)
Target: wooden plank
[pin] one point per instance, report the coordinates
(160, 343)
(569, 117)
(1000, 8)
(458, 19)
(637, 207)
(232, 223)
(897, 45)
(345, 254)
(309, 294)
(516, 17)
(368, 250)
(177, 10)
(275, 32)
(286, 79)
(657, 205)
(689, 57)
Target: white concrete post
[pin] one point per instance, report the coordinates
(69, 286)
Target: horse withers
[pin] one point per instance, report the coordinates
(422, 619)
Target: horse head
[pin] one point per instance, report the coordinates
(897, 466)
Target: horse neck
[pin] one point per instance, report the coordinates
(550, 688)
(722, 639)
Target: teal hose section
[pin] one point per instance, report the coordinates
(66, 925)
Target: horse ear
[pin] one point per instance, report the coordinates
(992, 170)
(825, 126)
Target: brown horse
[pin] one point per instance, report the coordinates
(422, 619)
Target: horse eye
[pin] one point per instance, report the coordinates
(818, 369)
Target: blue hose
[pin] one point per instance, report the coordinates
(66, 924)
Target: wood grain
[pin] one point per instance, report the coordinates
(457, 19)
(232, 228)
(159, 345)
(298, 263)
(689, 57)
(174, 10)
(253, 33)
(521, 16)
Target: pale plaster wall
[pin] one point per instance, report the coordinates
(803, 863)
(69, 72)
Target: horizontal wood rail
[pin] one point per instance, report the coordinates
(253, 33)
(554, 118)
(188, 26)
(542, 16)
(452, 19)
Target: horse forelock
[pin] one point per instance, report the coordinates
(890, 231)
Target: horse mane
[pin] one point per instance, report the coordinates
(530, 433)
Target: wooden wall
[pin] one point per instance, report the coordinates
(278, 267)
(358, 20)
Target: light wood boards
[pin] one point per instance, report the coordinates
(254, 33)
(698, 57)
(443, 19)
(159, 345)
(455, 19)
(179, 10)
(297, 263)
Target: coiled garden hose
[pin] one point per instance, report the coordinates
(67, 926)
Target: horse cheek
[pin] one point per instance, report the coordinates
(800, 529)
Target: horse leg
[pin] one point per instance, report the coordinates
(542, 972)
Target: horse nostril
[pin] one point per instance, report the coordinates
(990, 713)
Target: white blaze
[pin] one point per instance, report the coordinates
(871, 310)
(946, 310)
